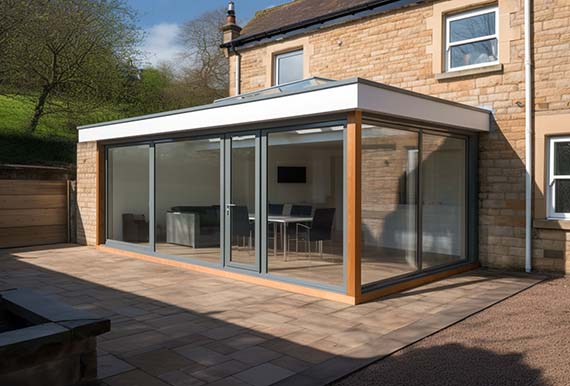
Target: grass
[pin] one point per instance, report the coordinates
(54, 141)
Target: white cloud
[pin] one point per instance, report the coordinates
(161, 44)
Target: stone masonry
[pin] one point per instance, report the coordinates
(86, 193)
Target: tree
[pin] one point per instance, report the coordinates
(12, 16)
(148, 93)
(73, 49)
(207, 72)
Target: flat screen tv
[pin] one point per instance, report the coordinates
(291, 175)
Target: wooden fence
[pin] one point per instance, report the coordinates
(34, 212)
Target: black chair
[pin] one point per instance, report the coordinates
(241, 226)
(320, 229)
(275, 209)
(301, 210)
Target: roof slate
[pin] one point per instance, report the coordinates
(296, 11)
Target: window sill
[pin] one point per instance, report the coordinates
(470, 72)
(552, 224)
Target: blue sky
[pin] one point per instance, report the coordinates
(161, 20)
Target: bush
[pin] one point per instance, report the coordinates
(32, 150)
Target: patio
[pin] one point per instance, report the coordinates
(177, 327)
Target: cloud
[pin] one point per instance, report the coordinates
(161, 43)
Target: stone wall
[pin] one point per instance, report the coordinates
(87, 193)
(401, 48)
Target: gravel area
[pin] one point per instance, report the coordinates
(524, 340)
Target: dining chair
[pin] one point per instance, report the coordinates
(241, 226)
(275, 209)
(319, 230)
(301, 210)
(298, 211)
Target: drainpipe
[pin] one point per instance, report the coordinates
(238, 72)
(528, 133)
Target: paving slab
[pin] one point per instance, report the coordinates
(177, 327)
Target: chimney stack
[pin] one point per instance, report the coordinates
(231, 29)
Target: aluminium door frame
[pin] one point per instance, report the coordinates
(227, 195)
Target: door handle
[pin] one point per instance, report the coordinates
(228, 208)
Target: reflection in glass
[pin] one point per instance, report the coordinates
(472, 27)
(562, 194)
(389, 202)
(474, 53)
(305, 170)
(289, 67)
(443, 200)
(128, 194)
(242, 206)
(188, 199)
(562, 158)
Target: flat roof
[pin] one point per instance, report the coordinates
(321, 99)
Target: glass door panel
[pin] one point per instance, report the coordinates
(128, 194)
(305, 204)
(188, 199)
(241, 200)
(444, 201)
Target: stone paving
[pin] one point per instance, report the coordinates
(175, 327)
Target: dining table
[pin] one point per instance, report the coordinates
(282, 221)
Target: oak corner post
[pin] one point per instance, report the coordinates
(100, 193)
(353, 205)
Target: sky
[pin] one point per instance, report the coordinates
(161, 20)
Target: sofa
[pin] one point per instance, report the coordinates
(193, 226)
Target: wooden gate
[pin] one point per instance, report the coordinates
(33, 212)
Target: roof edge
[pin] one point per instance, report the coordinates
(339, 83)
(352, 11)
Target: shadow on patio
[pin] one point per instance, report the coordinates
(177, 327)
(450, 364)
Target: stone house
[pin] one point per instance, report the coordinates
(367, 147)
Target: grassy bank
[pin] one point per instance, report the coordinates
(53, 142)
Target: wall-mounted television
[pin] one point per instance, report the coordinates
(291, 175)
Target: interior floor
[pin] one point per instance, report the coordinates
(325, 269)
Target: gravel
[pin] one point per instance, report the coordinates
(524, 340)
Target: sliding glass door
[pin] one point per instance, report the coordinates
(305, 204)
(128, 195)
(270, 202)
(187, 202)
(414, 196)
(241, 200)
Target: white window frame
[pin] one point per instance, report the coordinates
(465, 15)
(552, 178)
(276, 58)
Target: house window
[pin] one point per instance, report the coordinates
(559, 178)
(288, 67)
(472, 39)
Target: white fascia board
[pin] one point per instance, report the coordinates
(321, 101)
(386, 100)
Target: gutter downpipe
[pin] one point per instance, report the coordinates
(238, 71)
(528, 134)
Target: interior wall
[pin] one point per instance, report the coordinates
(325, 173)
